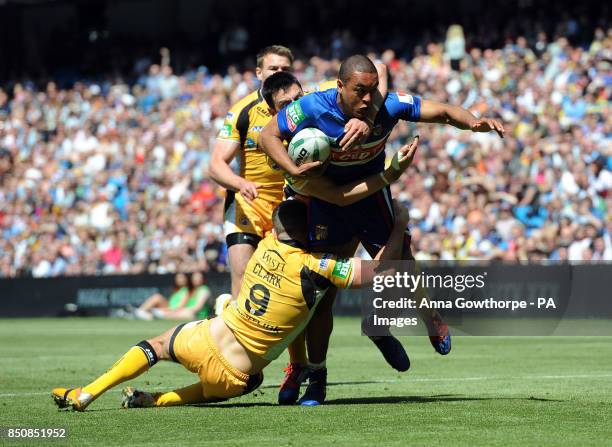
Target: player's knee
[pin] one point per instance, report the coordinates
(157, 345)
(161, 344)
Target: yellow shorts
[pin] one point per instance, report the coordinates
(192, 346)
(252, 218)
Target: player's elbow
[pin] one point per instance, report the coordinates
(213, 168)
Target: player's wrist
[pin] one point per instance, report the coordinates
(389, 175)
(242, 183)
(384, 178)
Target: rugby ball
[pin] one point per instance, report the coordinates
(308, 145)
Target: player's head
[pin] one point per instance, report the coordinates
(281, 89)
(357, 82)
(272, 59)
(290, 222)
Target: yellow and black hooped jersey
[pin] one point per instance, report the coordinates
(280, 290)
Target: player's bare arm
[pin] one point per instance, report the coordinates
(344, 195)
(271, 142)
(221, 172)
(436, 112)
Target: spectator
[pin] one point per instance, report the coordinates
(108, 178)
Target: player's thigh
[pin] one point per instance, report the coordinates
(251, 219)
(161, 343)
(239, 255)
(373, 219)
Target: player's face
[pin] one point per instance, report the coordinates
(283, 98)
(271, 64)
(356, 95)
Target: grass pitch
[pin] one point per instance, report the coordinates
(493, 391)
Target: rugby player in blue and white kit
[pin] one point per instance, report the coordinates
(339, 229)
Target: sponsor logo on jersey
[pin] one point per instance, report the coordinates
(321, 232)
(256, 129)
(273, 260)
(324, 262)
(295, 115)
(264, 112)
(358, 154)
(342, 268)
(405, 98)
(226, 131)
(250, 143)
(229, 116)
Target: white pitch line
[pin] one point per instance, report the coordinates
(410, 380)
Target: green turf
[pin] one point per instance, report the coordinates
(488, 391)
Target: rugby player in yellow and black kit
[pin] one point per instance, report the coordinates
(258, 181)
(282, 287)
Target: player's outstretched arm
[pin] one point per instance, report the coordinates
(271, 143)
(221, 172)
(348, 194)
(436, 112)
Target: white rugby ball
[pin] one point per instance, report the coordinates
(308, 145)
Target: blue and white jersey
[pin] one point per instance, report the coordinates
(321, 110)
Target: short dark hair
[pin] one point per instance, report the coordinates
(274, 49)
(291, 217)
(281, 80)
(356, 63)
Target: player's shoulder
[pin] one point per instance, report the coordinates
(261, 110)
(317, 103)
(323, 86)
(400, 97)
(250, 100)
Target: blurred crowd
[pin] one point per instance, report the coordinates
(112, 178)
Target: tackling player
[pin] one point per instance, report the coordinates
(282, 287)
(336, 229)
(260, 184)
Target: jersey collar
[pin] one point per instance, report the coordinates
(292, 243)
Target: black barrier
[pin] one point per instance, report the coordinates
(92, 295)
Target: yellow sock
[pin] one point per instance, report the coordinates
(132, 364)
(191, 394)
(297, 350)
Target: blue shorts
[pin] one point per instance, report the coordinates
(370, 221)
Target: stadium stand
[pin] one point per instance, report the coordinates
(111, 177)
